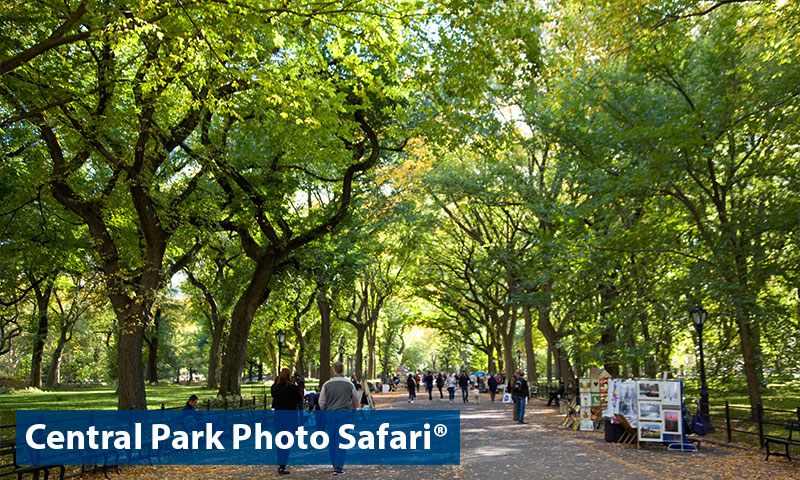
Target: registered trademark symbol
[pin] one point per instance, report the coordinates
(440, 430)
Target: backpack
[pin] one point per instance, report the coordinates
(699, 426)
(517, 387)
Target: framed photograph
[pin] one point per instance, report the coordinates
(672, 422)
(650, 431)
(586, 399)
(650, 411)
(627, 394)
(596, 400)
(671, 392)
(649, 390)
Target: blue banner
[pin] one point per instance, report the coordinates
(226, 437)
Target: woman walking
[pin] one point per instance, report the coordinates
(411, 384)
(285, 396)
(451, 386)
(440, 384)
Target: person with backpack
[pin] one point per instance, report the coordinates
(439, 385)
(518, 387)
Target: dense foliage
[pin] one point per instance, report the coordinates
(422, 184)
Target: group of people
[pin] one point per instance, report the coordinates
(340, 394)
(454, 381)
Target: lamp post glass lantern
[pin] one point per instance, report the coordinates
(519, 359)
(699, 316)
(341, 352)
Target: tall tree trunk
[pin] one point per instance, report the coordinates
(361, 331)
(325, 305)
(131, 391)
(42, 307)
(608, 333)
(562, 364)
(54, 372)
(508, 327)
(748, 332)
(530, 353)
(751, 362)
(549, 364)
(214, 363)
(254, 295)
(152, 350)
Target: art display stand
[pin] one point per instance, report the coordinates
(593, 399)
(683, 445)
(654, 408)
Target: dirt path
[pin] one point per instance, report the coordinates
(493, 446)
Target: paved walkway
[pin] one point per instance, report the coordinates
(493, 446)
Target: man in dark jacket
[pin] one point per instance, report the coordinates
(518, 387)
(428, 379)
(492, 386)
(463, 383)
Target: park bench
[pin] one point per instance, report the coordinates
(9, 467)
(791, 426)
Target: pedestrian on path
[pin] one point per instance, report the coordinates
(492, 386)
(286, 398)
(451, 386)
(411, 384)
(429, 385)
(463, 382)
(338, 395)
(519, 394)
(439, 385)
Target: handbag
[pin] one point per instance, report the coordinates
(507, 398)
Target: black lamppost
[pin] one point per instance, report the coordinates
(341, 350)
(519, 359)
(433, 359)
(699, 318)
(280, 337)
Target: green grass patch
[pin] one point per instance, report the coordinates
(97, 398)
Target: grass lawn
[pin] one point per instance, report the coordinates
(104, 398)
(99, 398)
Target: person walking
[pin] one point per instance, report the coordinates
(492, 382)
(451, 386)
(411, 384)
(439, 385)
(429, 385)
(518, 387)
(338, 395)
(286, 397)
(463, 382)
